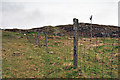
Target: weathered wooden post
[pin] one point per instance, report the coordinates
(38, 37)
(28, 39)
(46, 40)
(26, 35)
(91, 27)
(33, 39)
(75, 41)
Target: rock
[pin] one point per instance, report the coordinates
(51, 52)
(19, 37)
(16, 54)
(59, 57)
(116, 54)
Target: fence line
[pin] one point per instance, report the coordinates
(86, 49)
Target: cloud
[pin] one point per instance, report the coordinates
(119, 13)
(38, 13)
(12, 6)
(16, 15)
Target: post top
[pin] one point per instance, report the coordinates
(75, 20)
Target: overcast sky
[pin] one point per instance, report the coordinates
(26, 14)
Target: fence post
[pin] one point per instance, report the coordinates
(28, 39)
(38, 40)
(46, 41)
(26, 35)
(75, 41)
(33, 39)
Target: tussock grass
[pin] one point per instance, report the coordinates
(22, 59)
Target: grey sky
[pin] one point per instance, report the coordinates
(38, 13)
(119, 13)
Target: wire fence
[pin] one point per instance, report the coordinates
(97, 54)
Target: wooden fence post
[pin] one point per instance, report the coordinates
(46, 42)
(33, 39)
(28, 39)
(75, 41)
(26, 35)
(38, 37)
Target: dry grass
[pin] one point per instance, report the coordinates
(22, 59)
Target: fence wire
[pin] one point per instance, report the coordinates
(97, 55)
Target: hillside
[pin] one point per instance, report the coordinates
(83, 29)
(22, 59)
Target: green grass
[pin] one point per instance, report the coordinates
(30, 61)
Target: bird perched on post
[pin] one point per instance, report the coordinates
(91, 17)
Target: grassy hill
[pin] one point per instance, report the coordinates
(22, 59)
